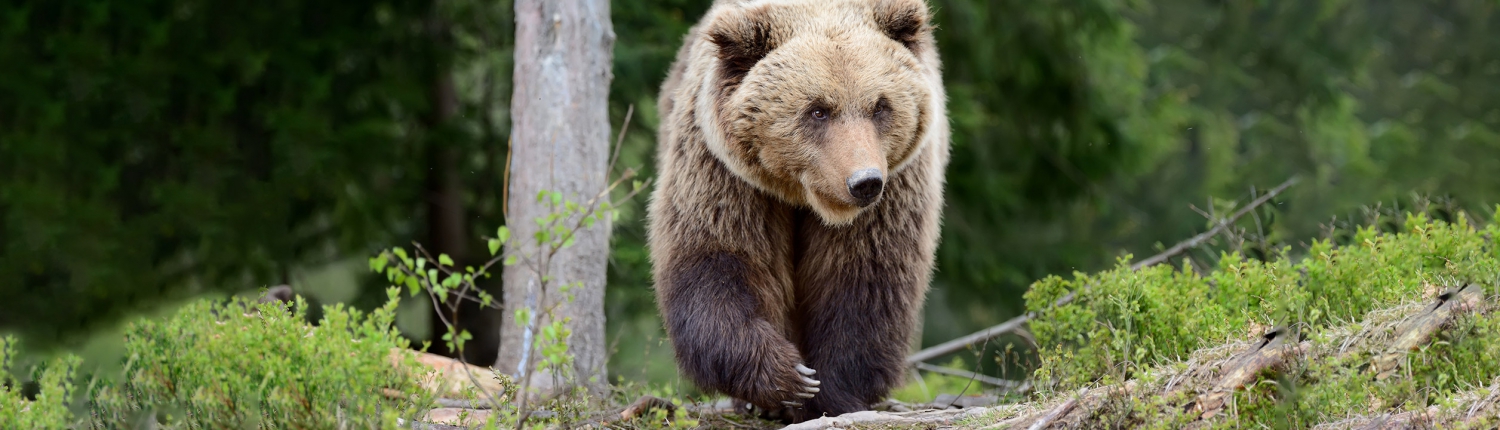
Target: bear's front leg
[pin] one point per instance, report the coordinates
(720, 337)
(860, 291)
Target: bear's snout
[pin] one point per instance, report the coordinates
(865, 186)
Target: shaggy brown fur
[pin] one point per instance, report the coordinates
(801, 156)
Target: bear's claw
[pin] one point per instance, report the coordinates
(810, 385)
(804, 370)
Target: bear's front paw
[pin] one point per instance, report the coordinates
(807, 387)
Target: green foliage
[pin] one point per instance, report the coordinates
(213, 365)
(50, 408)
(1123, 321)
(1458, 362)
(1341, 298)
(236, 364)
(419, 273)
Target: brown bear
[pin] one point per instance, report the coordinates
(800, 158)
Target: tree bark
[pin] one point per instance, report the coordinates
(560, 142)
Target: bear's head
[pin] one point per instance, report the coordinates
(817, 102)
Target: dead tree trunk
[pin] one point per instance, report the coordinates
(560, 142)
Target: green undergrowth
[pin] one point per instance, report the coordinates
(230, 364)
(1126, 324)
(235, 364)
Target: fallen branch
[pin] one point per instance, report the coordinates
(1420, 328)
(1015, 323)
(1272, 351)
(1008, 385)
(1079, 406)
(1193, 242)
(945, 348)
(1058, 412)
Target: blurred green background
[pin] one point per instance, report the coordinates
(153, 151)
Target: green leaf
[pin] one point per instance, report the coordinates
(503, 233)
(510, 260)
(421, 262)
(494, 246)
(523, 316)
(443, 259)
(556, 198)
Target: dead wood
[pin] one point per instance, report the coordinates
(1418, 330)
(927, 418)
(1193, 242)
(1007, 385)
(1272, 352)
(1057, 412)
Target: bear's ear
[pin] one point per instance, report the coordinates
(904, 21)
(743, 38)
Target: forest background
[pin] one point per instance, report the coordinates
(153, 151)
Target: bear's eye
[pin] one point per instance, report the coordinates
(819, 114)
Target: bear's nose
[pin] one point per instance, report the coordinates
(865, 185)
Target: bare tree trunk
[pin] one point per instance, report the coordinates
(560, 142)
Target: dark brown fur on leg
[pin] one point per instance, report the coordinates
(720, 341)
(860, 290)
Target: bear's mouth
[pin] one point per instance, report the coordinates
(832, 209)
